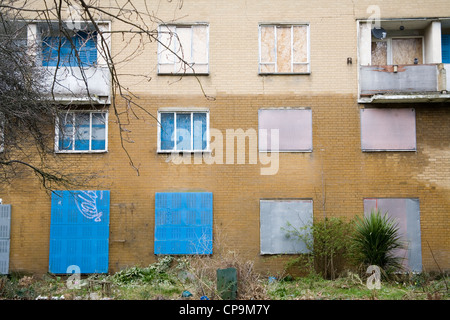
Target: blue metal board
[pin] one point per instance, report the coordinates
(79, 231)
(5, 234)
(183, 223)
(85, 46)
(446, 48)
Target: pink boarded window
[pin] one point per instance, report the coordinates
(292, 128)
(388, 129)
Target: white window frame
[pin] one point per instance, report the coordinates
(183, 111)
(308, 48)
(190, 67)
(74, 112)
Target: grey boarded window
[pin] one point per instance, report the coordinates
(5, 234)
(276, 218)
(407, 213)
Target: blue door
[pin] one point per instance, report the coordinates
(79, 231)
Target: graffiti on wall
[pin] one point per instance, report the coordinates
(87, 204)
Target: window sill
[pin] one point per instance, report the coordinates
(284, 73)
(286, 151)
(387, 150)
(81, 152)
(184, 74)
(182, 151)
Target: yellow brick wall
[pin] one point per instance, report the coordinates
(336, 165)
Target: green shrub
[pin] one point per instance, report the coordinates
(375, 238)
(328, 242)
(156, 272)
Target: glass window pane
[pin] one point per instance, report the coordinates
(184, 131)
(65, 132)
(200, 142)
(167, 131)
(82, 123)
(98, 131)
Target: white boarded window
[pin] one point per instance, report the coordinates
(388, 129)
(292, 127)
(284, 49)
(277, 218)
(183, 49)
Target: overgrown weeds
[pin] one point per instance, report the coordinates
(197, 276)
(328, 243)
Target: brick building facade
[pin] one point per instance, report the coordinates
(355, 140)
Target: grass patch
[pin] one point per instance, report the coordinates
(169, 278)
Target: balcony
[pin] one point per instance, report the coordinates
(404, 60)
(76, 84)
(68, 77)
(404, 83)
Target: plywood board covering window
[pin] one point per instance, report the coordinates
(398, 51)
(405, 51)
(284, 49)
(183, 49)
(379, 53)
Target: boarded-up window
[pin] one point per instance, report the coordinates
(446, 48)
(82, 131)
(79, 231)
(278, 218)
(406, 213)
(388, 129)
(294, 128)
(5, 235)
(183, 223)
(284, 49)
(379, 53)
(397, 51)
(78, 51)
(183, 131)
(407, 51)
(183, 49)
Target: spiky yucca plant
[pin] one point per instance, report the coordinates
(376, 237)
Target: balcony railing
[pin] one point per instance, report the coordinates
(404, 83)
(68, 84)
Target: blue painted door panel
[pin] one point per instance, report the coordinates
(79, 231)
(5, 234)
(446, 48)
(183, 222)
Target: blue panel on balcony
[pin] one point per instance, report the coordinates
(83, 44)
(79, 231)
(183, 222)
(446, 48)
